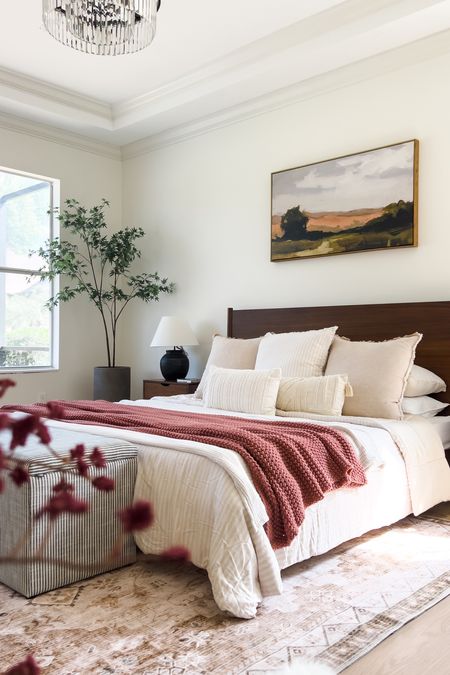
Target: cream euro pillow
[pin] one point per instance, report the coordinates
(422, 382)
(247, 391)
(301, 354)
(321, 395)
(229, 353)
(378, 372)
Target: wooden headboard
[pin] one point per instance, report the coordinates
(361, 322)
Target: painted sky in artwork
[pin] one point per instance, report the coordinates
(367, 180)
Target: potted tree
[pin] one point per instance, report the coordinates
(99, 266)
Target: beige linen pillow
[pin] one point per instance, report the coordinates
(229, 353)
(301, 354)
(247, 391)
(378, 372)
(321, 395)
(422, 382)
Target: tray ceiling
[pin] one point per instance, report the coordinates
(209, 59)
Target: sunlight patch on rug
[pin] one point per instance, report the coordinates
(158, 618)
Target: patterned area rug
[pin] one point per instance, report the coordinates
(160, 618)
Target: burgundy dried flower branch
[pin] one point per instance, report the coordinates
(26, 667)
(62, 502)
(98, 459)
(177, 554)
(5, 384)
(136, 517)
(103, 483)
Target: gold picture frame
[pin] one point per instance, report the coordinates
(364, 201)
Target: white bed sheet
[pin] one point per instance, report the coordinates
(441, 424)
(205, 500)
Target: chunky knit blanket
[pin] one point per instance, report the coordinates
(292, 464)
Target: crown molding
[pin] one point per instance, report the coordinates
(325, 50)
(38, 94)
(422, 50)
(303, 60)
(301, 32)
(372, 67)
(274, 54)
(53, 135)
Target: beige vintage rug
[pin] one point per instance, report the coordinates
(160, 619)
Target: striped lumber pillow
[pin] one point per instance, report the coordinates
(247, 391)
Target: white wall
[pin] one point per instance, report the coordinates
(87, 177)
(205, 204)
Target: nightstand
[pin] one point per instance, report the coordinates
(165, 388)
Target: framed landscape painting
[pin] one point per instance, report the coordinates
(358, 202)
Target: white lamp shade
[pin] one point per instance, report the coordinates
(173, 331)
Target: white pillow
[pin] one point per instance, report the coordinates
(422, 382)
(378, 372)
(297, 354)
(247, 391)
(321, 395)
(426, 406)
(229, 353)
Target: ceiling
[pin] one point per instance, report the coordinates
(210, 59)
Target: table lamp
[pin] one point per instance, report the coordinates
(174, 331)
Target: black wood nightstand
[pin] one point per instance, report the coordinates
(166, 388)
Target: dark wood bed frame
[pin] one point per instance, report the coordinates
(361, 322)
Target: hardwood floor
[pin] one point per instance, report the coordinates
(422, 647)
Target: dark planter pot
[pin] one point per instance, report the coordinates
(112, 384)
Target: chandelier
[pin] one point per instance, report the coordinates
(104, 27)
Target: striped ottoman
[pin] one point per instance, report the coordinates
(79, 545)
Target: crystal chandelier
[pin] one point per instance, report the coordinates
(104, 27)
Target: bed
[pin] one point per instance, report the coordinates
(204, 497)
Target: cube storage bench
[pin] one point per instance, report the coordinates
(79, 546)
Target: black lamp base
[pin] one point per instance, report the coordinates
(174, 364)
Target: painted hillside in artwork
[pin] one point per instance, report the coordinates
(360, 202)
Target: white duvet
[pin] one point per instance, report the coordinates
(204, 499)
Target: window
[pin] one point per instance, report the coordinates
(28, 329)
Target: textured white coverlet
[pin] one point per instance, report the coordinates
(205, 500)
(420, 444)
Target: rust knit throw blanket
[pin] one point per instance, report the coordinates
(292, 464)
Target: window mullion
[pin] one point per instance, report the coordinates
(18, 270)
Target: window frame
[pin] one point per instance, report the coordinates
(54, 231)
